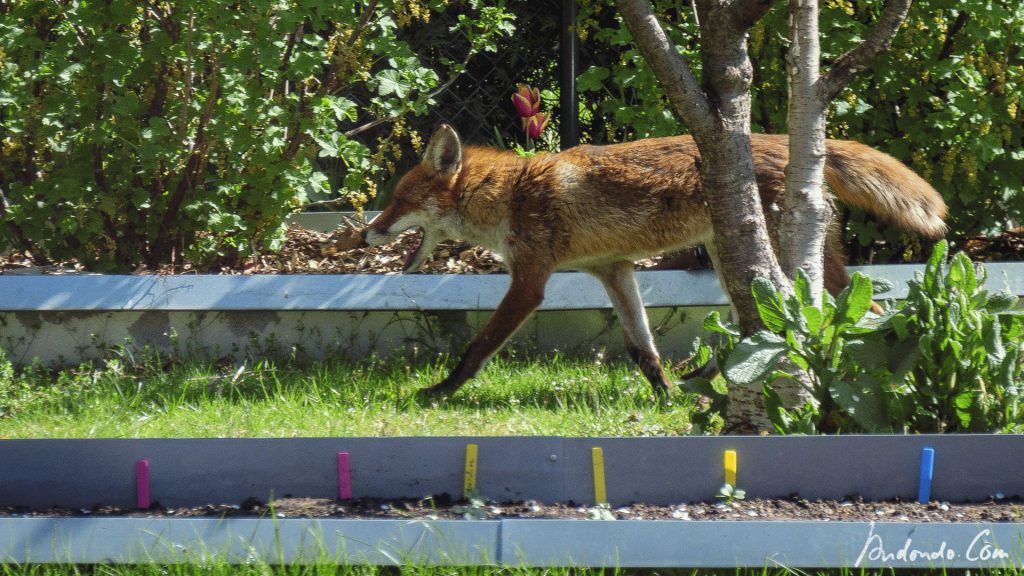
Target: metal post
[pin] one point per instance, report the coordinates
(569, 125)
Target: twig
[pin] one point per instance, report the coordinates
(850, 64)
(947, 46)
(373, 124)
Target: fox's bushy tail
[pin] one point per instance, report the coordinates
(861, 176)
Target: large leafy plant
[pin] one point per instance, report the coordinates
(955, 348)
(134, 132)
(946, 360)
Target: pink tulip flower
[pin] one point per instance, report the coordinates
(526, 101)
(535, 124)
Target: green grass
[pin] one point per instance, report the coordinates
(547, 396)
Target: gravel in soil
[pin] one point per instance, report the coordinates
(337, 252)
(443, 507)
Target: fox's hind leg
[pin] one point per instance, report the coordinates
(619, 281)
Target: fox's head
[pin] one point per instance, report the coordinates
(423, 199)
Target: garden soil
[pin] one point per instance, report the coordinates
(443, 507)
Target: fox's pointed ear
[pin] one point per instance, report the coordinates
(444, 152)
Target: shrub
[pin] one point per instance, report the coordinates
(133, 132)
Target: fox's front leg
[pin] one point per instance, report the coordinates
(523, 297)
(619, 281)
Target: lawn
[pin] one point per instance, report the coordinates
(126, 398)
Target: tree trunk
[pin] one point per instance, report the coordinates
(805, 212)
(718, 115)
(744, 249)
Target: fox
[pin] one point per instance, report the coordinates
(600, 208)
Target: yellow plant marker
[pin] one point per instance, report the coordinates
(469, 480)
(600, 493)
(730, 467)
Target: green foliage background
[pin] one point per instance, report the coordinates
(136, 133)
(946, 98)
(945, 359)
(133, 132)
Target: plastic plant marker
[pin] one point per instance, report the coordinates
(142, 484)
(924, 482)
(600, 491)
(730, 467)
(469, 480)
(344, 477)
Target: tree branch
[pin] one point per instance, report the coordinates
(671, 69)
(192, 171)
(850, 64)
(328, 85)
(293, 39)
(947, 46)
(748, 12)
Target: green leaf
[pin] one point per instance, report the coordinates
(713, 323)
(1001, 301)
(754, 358)
(863, 400)
(854, 301)
(1008, 371)
(881, 286)
(933, 280)
(343, 108)
(813, 318)
(870, 353)
(592, 80)
(963, 403)
(392, 82)
(802, 288)
(703, 386)
(992, 335)
(769, 305)
(903, 358)
(961, 274)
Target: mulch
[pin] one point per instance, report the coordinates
(335, 252)
(996, 509)
(311, 252)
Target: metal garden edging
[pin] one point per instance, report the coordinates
(573, 543)
(651, 470)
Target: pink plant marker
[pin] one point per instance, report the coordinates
(344, 477)
(142, 484)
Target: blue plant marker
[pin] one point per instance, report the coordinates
(924, 484)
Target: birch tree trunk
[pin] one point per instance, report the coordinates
(805, 211)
